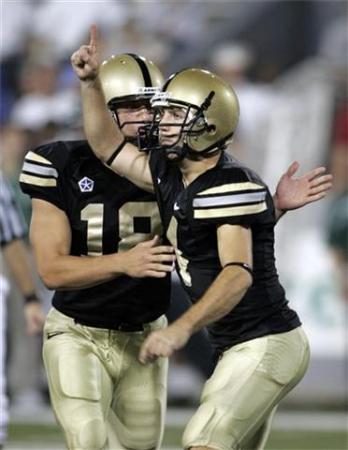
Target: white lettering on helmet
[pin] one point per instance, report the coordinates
(143, 90)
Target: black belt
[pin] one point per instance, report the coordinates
(126, 327)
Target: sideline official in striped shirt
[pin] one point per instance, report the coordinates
(15, 253)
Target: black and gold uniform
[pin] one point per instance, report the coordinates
(226, 194)
(68, 175)
(102, 396)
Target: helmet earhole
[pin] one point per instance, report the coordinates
(211, 129)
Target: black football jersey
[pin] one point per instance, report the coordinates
(107, 214)
(226, 194)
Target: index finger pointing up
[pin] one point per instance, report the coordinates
(93, 39)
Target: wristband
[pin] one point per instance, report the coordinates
(115, 153)
(242, 265)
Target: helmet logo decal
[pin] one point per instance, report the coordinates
(160, 99)
(86, 184)
(144, 90)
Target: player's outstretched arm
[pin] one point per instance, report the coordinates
(294, 192)
(50, 235)
(235, 245)
(103, 134)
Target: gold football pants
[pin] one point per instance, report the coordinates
(102, 396)
(247, 384)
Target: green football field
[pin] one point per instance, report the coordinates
(48, 437)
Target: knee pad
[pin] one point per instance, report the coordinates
(140, 427)
(210, 426)
(92, 435)
(142, 439)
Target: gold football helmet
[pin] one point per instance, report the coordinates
(128, 78)
(212, 110)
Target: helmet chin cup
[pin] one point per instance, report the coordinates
(179, 151)
(147, 137)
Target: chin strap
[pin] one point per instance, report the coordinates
(242, 265)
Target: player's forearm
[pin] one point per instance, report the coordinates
(278, 211)
(79, 272)
(105, 138)
(17, 259)
(222, 296)
(100, 128)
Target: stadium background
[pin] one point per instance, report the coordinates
(287, 61)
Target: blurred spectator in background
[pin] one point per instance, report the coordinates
(43, 105)
(74, 18)
(233, 61)
(339, 148)
(15, 254)
(15, 26)
(338, 217)
(15, 142)
(132, 39)
(333, 48)
(338, 240)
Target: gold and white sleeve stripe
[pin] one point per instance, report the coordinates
(232, 199)
(38, 171)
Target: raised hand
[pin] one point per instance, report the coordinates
(148, 259)
(85, 61)
(293, 193)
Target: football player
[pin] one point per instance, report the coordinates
(220, 217)
(96, 242)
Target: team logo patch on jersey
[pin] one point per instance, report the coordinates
(86, 184)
